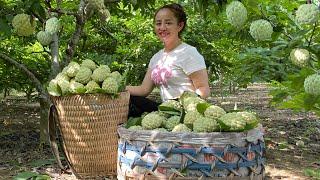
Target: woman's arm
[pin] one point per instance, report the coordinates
(201, 83)
(145, 88)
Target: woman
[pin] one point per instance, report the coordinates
(178, 67)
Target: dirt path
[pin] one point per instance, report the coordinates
(292, 139)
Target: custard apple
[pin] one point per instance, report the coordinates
(23, 24)
(104, 14)
(89, 64)
(185, 95)
(110, 85)
(44, 37)
(190, 117)
(171, 122)
(53, 88)
(101, 73)
(136, 128)
(171, 104)
(261, 30)
(205, 124)
(96, 4)
(251, 119)
(152, 120)
(312, 84)
(300, 57)
(190, 103)
(181, 128)
(232, 122)
(62, 76)
(117, 76)
(72, 69)
(76, 87)
(214, 112)
(92, 87)
(64, 86)
(307, 14)
(160, 129)
(84, 75)
(52, 25)
(236, 14)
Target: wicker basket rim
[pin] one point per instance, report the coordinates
(235, 138)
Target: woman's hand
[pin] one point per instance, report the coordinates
(201, 83)
(145, 88)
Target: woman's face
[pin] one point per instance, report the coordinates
(166, 26)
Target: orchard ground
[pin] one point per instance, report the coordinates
(292, 139)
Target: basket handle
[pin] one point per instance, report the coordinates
(52, 127)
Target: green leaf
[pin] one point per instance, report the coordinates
(177, 113)
(312, 173)
(201, 107)
(25, 175)
(133, 121)
(166, 108)
(43, 177)
(41, 162)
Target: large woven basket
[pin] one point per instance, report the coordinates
(88, 126)
(154, 155)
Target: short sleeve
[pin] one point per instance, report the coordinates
(154, 60)
(193, 61)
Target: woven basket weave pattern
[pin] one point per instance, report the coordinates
(166, 155)
(88, 124)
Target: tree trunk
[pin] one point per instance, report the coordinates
(44, 107)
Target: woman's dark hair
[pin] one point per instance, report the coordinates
(178, 12)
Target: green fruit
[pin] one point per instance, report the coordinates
(300, 57)
(53, 88)
(312, 84)
(52, 25)
(171, 105)
(89, 64)
(152, 120)
(261, 30)
(135, 128)
(64, 86)
(84, 75)
(236, 14)
(214, 112)
(190, 103)
(251, 119)
(72, 69)
(92, 87)
(76, 87)
(110, 85)
(23, 24)
(205, 124)
(116, 75)
(232, 122)
(96, 4)
(171, 122)
(101, 73)
(307, 14)
(190, 117)
(181, 128)
(44, 38)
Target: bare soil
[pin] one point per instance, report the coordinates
(292, 139)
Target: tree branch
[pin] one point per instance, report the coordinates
(74, 40)
(30, 75)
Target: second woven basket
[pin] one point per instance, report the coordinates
(88, 126)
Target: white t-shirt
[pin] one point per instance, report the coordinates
(170, 70)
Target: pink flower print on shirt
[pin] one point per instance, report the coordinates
(161, 74)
